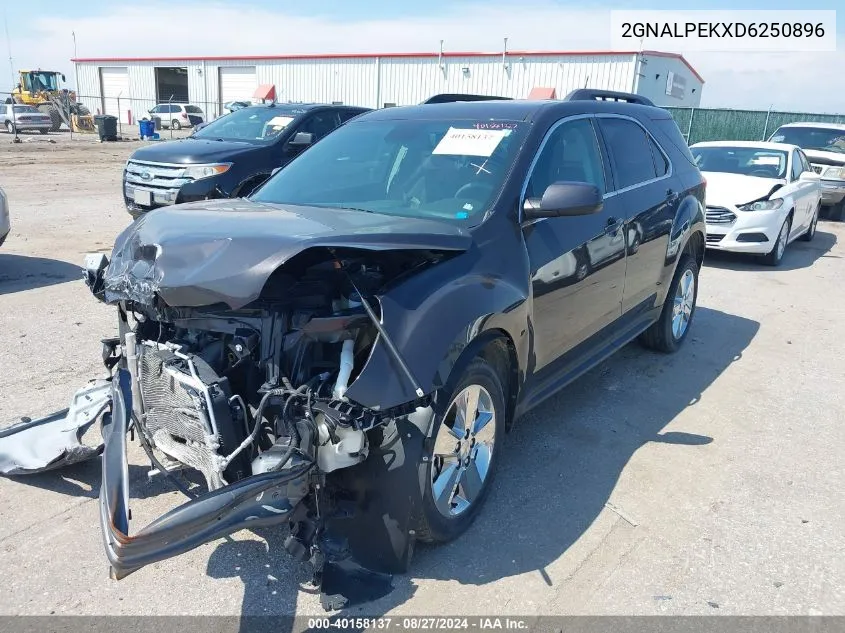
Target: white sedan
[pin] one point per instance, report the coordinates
(5, 225)
(760, 196)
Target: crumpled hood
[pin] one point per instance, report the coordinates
(724, 190)
(223, 251)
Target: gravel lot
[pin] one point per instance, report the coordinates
(709, 482)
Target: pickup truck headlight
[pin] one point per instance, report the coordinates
(834, 172)
(206, 171)
(762, 205)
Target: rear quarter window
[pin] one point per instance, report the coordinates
(667, 129)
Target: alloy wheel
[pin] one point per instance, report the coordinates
(463, 450)
(683, 304)
(782, 237)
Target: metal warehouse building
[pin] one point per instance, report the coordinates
(128, 86)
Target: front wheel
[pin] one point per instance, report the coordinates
(811, 230)
(775, 256)
(10, 127)
(459, 463)
(670, 331)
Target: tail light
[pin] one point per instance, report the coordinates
(184, 115)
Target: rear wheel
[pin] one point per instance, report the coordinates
(811, 231)
(175, 125)
(43, 131)
(836, 211)
(669, 332)
(775, 256)
(10, 127)
(458, 466)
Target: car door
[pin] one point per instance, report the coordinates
(803, 193)
(814, 197)
(646, 197)
(574, 297)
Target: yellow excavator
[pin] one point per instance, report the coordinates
(40, 88)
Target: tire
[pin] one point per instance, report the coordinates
(10, 127)
(811, 230)
(634, 246)
(775, 256)
(55, 117)
(836, 212)
(175, 125)
(663, 335)
(43, 131)
(433, 524)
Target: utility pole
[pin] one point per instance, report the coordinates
(12, 70)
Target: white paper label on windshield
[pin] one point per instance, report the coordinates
(463, 142)
(279, 121)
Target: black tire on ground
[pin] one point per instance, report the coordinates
(55, 117)
(811, 231)
(660, 336)
(175, 125)
(43, 131)
(10, 127)
(429, 524)
(773, 257)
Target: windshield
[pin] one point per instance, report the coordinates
(21, 109)
(43, 81)
(821, 138)
(435, 169)
(747, 161)
(257, 125)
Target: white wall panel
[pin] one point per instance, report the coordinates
(372, 81)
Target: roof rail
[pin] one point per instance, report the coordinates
(451, 98)
(589, 94)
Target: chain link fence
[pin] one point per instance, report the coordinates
(711, 124)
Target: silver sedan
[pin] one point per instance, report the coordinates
(5, 225)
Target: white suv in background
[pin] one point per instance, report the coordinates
(824, 145)
(177, 115)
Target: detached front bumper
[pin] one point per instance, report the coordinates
(833, 191)
(751, 232)
(258, 501)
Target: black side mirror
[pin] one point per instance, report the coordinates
(563, 199)
(301, 139)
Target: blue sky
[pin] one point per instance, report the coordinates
(41, 36)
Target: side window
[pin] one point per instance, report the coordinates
(570, 153)
(661, 165)
(797, 167)
(805, 164)
(630, 153)
(345, 115)
(321, 123)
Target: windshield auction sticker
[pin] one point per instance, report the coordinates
(463, 142)
(724, 31)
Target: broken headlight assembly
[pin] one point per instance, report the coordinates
(762, 205)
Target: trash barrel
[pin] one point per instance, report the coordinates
(147, 128)
(106, 127)
(157, 121)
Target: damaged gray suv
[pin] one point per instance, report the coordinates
(344, 351)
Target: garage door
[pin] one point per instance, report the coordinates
(115, 82)
(237, 83)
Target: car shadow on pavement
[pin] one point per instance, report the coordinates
(558, 469)
(20, 272)
(799, 254)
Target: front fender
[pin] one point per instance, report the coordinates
(432, 318)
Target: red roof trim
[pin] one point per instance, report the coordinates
(217, 58)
